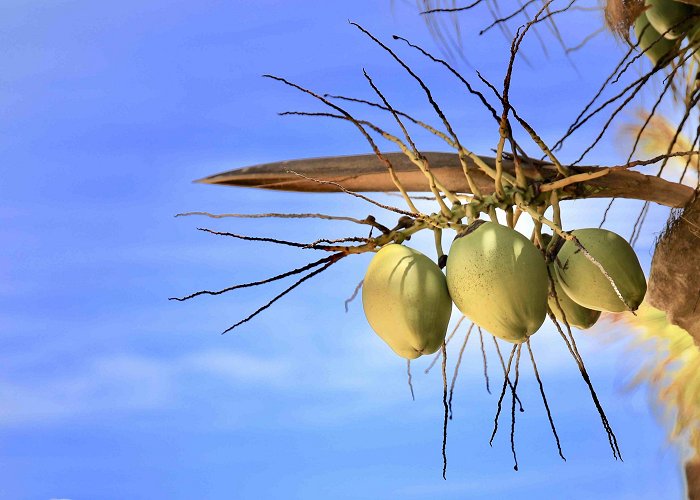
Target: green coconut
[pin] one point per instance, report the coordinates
(498, 279)
(655, 47)
(694, 39)
(669, 17)
(406, 302)
(585, 283)
(563, 307)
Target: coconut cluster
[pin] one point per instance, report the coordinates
(661, 27)
(502, 282)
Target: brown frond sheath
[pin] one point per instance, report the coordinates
(365, 173)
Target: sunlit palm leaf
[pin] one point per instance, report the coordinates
(673, 372)
(656, 138)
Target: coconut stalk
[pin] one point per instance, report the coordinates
(674, 284)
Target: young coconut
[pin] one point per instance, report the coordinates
(694, 40)
(498, 279)
(562, 306)
(585, 283)
(405, 299)
(655, 47)
(669, 17)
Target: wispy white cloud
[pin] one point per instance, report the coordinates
(332, 375)
(236, 367)
(125, 383)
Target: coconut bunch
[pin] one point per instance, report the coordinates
(502, 281)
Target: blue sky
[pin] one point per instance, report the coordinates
(107, 390)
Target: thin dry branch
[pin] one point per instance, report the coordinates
(485, 361)
(298, 270)
(584, 374)
(505, 372)
(370, 220)
(635, 88)
(416, 157)
(412, 119)
(506, 383)
(544, 400)
(364, 133)
(354, 295)
(583, 118)
(426, 91)
(512, 406)
(508, 17)
(445, 407)
(585, 40)
(260, 309)
(456, 370)
(528, 128)
(453, 9)
(447, 341)
(456, 73)
(327, 248)
(356, 195)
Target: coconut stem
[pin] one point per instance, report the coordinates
(442, 259)
(492, 214)
(509, 217)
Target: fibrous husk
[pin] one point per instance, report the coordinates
(498, 279)
(620, 16)
(587, 285)
(565, 309)
(674, 282)
(405, 299)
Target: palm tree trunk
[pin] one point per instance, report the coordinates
(674, 282)
(692, 478)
